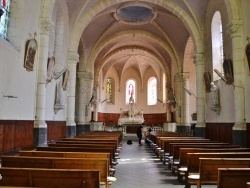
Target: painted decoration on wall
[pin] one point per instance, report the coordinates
(65, 79)
(50, 68)
(207, 78)
(247, 49)
(30, 54)
(228, 71)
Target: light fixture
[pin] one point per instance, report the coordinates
(222, 77)
(189, 92)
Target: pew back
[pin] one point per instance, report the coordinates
(208, 168)
(99, 164)
(32, 177)
(233, 177)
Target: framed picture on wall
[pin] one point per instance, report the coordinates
(30, 54)
(65, 79)
(247, 49)
(50, 68)
(228, 71)
(207, 78)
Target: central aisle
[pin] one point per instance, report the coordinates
(140, 168)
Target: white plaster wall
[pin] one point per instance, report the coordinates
(14, 79)
(59, 43)
(226, 91)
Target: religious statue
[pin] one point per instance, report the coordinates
(131, 99)
(214, 95)
(131, 106)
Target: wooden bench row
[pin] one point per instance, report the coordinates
(78, 159)
(203, 168)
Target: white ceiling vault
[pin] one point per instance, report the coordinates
(136, 34)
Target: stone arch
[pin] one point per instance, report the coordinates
(174, 8)
(147, 35)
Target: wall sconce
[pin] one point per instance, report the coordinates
(189, 92)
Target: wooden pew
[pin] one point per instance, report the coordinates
(175, 148)
(183, 152)
(33, 177)
(117, 134)
(34, 153)
(233, 177)
(192, 166)
(78, 149)
(99, 164)
(93, 140)
(167, 144)
(248, 184)
(208, 169)
(154, 134)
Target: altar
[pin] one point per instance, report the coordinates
(129, 121)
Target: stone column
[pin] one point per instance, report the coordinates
(200, 90)
(40, 126)
(178, 95)
(95, 103)
(185, 101)
(71, 87)
(85, 79)
(239, 128)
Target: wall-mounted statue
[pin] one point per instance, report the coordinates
(214, 92)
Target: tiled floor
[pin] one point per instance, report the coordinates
(139, 167)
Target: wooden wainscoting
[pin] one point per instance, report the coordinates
(15, 134)
(248, 135)
(56, 130)
(150, 119)
(221, 132)
(18, 134)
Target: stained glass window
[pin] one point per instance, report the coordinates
(109, 90)
(130, 91)
(217, 43)
(152, 91)
(4, 13)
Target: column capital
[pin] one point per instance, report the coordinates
(185, 75)
(83, 75)
(73, 57)
(46, 26)
(96, 84)
(198, 58)
(178, 77)
(234, 29)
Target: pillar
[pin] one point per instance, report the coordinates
(40, 126)
(71, 87)
(185, 101)
(239, 128)
(200, 129)
(178, 92)
(84, 114)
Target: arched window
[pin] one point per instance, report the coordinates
(130, 90)
(152, 91)
(217, 43)
(4, 17)
(109, 90)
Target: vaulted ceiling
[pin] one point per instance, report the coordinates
(137, 34)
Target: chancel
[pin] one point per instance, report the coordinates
(132, 116)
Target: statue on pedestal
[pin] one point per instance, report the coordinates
(131, 106)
